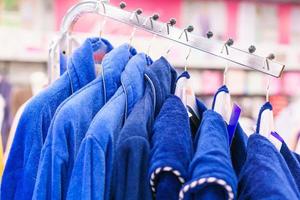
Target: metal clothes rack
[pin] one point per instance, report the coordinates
(167, 30)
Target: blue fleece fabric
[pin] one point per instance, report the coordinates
(171, 146)
(71, 122)
(266, 106)
(212, 159)
(201, 108)
(62, 63)
(238, 146)
(22, 164)
(92, 173)
(265, 174)
(133, 148)
(223, 88)
(297, 156)
(168, 184)
(292, 162)
(238, 149)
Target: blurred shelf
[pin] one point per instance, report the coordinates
(23, 60)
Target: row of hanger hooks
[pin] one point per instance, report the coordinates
(169, 31)
(185, 32)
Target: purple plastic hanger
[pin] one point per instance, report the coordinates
(234, 118)
(277, 136)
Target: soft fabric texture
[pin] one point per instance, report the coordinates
(238, 145)
(217, 102)
(171, 150)
(22, 164)
(71, 122)
(201, 109)
(292, 162)
(62, 63)
(265, 174)
(92, 173)
(181, 81)
(224, 89)
(211, 171)
(266, 106)
(297, 156)
(238, 149)
(132, 147)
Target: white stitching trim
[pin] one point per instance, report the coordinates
(201, 181)
(164, 169)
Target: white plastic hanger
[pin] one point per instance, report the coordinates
(266, 118)
(266, 121)
(222, 102)
(184, 90)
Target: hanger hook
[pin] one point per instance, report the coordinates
(135, 13)
(171, 23)
(105, 17)
(270, 57)
(185, 31)
(154, 17)
(227, 44)
(186, 59)
(268, 89)
(225, 73)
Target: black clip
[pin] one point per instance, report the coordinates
(136, 14)
(252, 49)
(187, 30)
(270, 57)
(227, 44)
(122, 5)
(209, 34)
(154, 17)
(172, 22)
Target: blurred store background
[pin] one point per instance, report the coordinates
(28, 26)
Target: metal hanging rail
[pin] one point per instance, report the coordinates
(167, 30)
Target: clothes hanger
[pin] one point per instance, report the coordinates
(98, 55)
(222, 101)
(136, 14)
(62, 45)
(184, 89)
(154, 17)
(197, 42)
(265, 122)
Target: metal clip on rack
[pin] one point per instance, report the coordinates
(248, 59)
